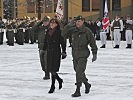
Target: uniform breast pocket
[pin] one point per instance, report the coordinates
(82, 39)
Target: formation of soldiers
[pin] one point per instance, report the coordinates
(119, 29)
(18, 31)
(21, 31)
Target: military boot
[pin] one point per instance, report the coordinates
(128, 46)
(117, 46)
(60, 81)
(103, 46)
(52, 88)
(77, 92)
(87, 87)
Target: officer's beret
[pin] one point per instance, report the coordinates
(45, 19)
(79, 18)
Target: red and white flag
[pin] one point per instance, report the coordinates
(106, 17)
(59, 9)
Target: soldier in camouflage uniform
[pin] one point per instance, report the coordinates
(20, 33)
(41, 28)
(129, 33)
(117, 26)
(81, 38)
(10, 33)
(31, 32)
(2, 26)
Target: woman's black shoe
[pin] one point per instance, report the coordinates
(52, 89)
(60, 83)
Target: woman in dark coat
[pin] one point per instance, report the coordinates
(54, 42)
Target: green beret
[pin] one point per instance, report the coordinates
(79, 17)
(45, 19)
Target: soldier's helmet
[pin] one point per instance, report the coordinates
(46, 19)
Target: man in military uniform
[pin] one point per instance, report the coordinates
(103, 34)
(81, 38)
(117, 25)
(2, 26)
(129, 27)
(20, 33)
(10, 33)
(31, 32)
(41, 28)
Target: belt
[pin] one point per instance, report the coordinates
(10, 30)
(116, 28)
(20, 28)
(128, 29)
(80, 48)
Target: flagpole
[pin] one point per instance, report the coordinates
(66, 10)
(106, 22)
(111, 32)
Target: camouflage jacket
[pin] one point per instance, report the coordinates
(41, 31)
(81, 38)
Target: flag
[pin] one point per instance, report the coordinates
(59, 9)
(106, 17)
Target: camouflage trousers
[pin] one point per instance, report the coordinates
(43, 61)
(80, 67)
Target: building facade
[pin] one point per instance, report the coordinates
(1, 8)
(87, 8)
(8, 9)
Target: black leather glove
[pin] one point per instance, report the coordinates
(63, 55)
(94, 57)
(121, 32)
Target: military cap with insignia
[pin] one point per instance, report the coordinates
(45, 19)
(79, 18)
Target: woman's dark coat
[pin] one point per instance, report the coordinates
(53, 44)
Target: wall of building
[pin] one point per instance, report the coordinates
(22, 10)
(1, 8)
(126, 9)
(75, 8)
